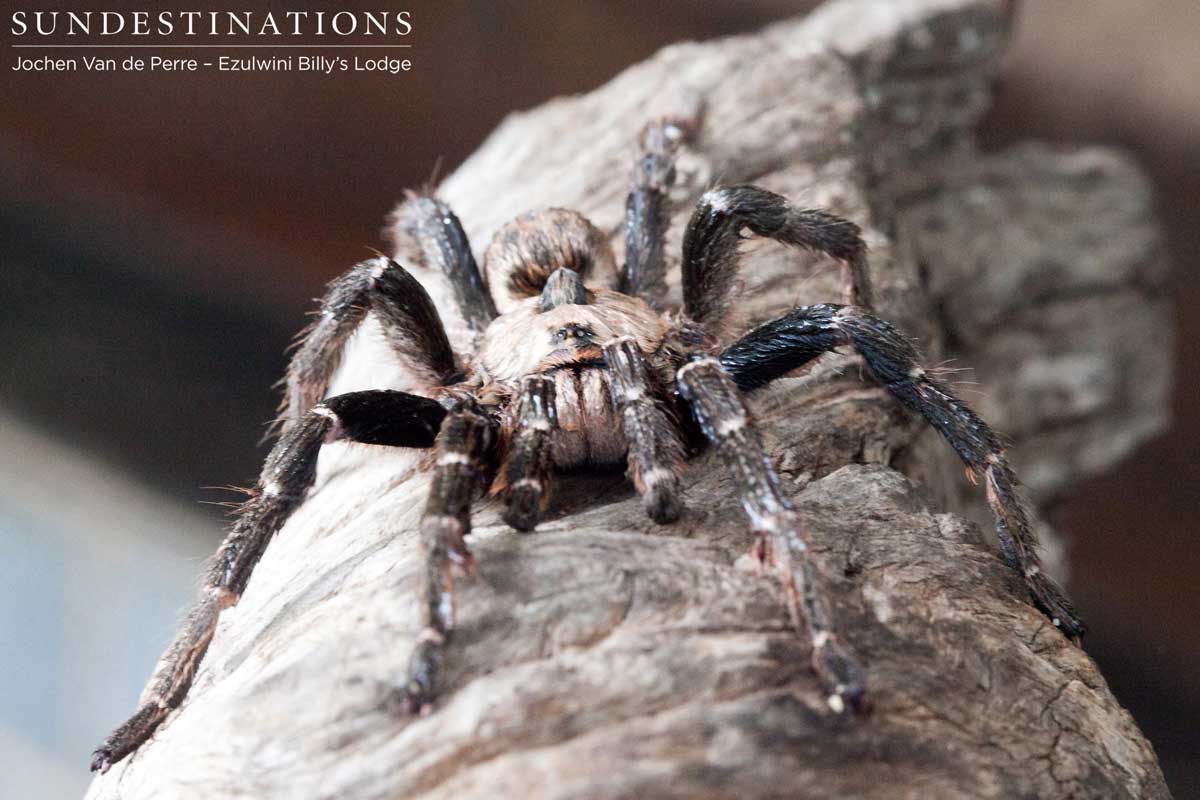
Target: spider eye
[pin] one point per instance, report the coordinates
(582, 334)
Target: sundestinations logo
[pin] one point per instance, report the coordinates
(158, 41)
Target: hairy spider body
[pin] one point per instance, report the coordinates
(574, 367)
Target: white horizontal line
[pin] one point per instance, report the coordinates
(228, 46)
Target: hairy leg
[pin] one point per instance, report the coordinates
(655, 451)
(647, 212)
(525, 474)
(461, 447)
(432, 229)
(718, 408)
(382, 417)
(777, 347)
(410, 322)
(710, 245)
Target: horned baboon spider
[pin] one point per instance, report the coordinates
(569, 373)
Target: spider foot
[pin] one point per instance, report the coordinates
(414, 702)
(840, 673)
(1052, 602)
(417, 695)
(662, 501)
(680, 124)
(102, 759)
(127, 738)
(835, 665)
(523, 506)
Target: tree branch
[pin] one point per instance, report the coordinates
(605, 656)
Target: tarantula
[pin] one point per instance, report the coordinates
(572, 374)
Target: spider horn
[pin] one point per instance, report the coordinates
(563, 287)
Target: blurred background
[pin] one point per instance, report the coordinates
(161, 238)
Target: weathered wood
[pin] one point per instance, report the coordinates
(605, 656)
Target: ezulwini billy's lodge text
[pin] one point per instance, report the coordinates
(318, 64)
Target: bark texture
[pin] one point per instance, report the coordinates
(607, 657)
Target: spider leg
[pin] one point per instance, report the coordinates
(647, 214)
(525, 474)
(461, 447)
(717, 406)
(655, 451)
(710, 245)
(777, 347)
(374, 417)
(434, 230)
(410, 322)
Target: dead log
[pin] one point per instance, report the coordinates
(607, 657)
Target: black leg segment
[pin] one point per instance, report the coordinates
(387, 417)
(773, 349)
(432, 229)
(372, 417)
(410, 322)
(462, 447)
(718, 409)
(285, 478)
(710, 245)
(647, 212)
(655, 450)
(526, 473)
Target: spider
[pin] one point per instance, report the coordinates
(569, 373)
